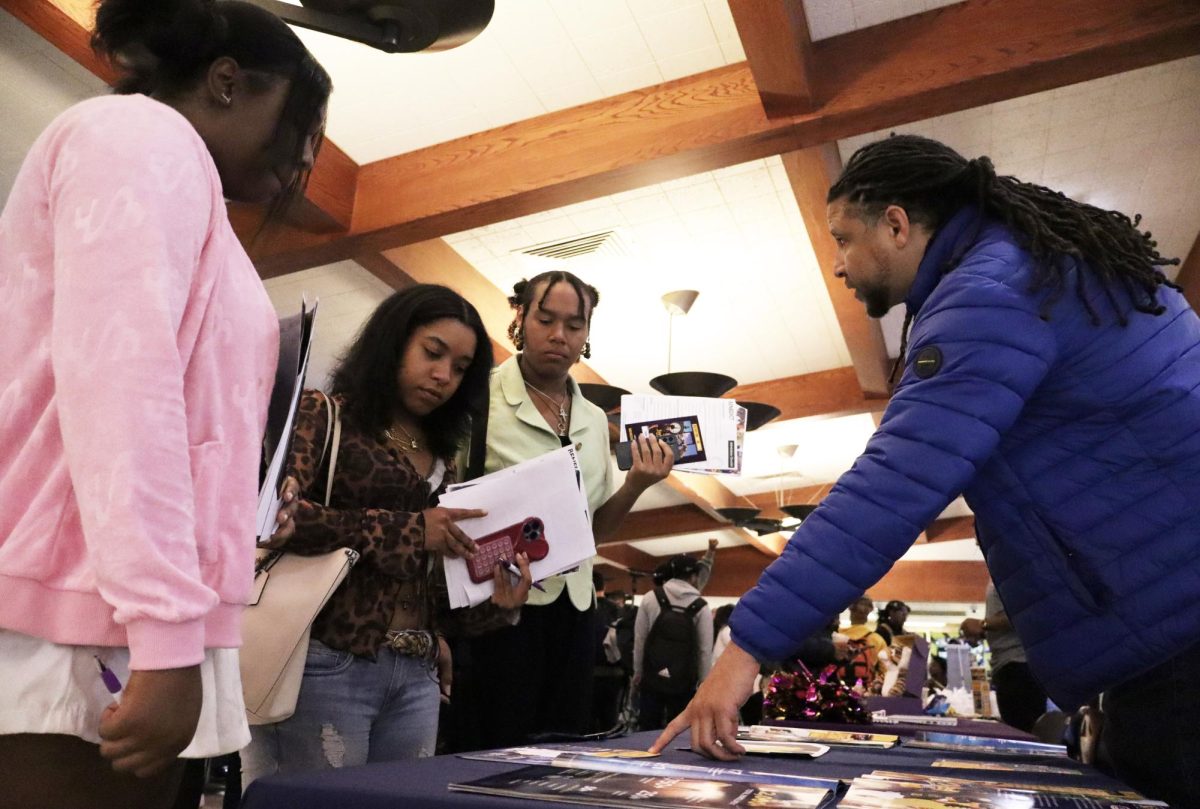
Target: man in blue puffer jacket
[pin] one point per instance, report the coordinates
(1053, 379)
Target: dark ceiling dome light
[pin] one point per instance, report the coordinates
(687, 383)
(798, 512)
(693, 383)
(738, 516)
(758, 414)
(605, 397)
(763, 525)
(395, 26)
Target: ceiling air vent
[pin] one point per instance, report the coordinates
(601, 244)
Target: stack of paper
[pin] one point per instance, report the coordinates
(295, 342)
(710, 430)
(542, 499)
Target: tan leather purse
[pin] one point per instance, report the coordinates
(289, 591)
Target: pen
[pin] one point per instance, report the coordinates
(111, 683)
(516, 571)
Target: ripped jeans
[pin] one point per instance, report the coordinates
(351, 711)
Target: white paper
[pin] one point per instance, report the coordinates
(712, 429)
(550, 488)
(295, 347)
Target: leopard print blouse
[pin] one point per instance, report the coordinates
(375, 508)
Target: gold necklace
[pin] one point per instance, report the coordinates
(408, 439)
(561, 405)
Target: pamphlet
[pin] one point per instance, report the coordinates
(710, 431)
(933, 740)
(593, 788)
(637, 762)
(538, 507)
(782, 733)
(1004, 766)
(884, 718)
(885, 790)
(757, 747)
(295, 345)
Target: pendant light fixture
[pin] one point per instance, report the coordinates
(687, 383)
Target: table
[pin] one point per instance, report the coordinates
(422, 783)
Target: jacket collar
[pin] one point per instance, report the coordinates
(512, 385)
(943, 253)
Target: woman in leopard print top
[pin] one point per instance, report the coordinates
(370, 690)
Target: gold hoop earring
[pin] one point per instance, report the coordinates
(517, 335)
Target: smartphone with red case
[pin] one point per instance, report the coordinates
(527, 536)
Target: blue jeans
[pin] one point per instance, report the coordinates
(351, 711)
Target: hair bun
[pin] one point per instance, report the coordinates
(514, 300)
(153, 40)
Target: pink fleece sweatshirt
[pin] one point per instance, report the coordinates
(137, 356)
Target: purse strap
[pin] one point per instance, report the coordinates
(333, 436)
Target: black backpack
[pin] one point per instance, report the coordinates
(672, 646)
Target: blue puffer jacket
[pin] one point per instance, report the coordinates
(1077, 446)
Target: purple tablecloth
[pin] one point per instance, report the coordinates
(423, 783)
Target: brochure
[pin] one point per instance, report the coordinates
(592, 788)
(782, 733)
(933, 740)
(758, 747)
(1004, 766)
(538, 507)
(636, 761)
(295, 344)
(884, 718)
(885, 790)
(710, 431)
(935, 782)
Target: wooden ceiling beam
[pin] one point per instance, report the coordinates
(665, 522)
(951, 528)
(811, 172)
(932, 581)
(326, 210)
(768, 502)
(738, 569)
(824, 393)
(914, 68)
(628, 557)
(774, 35)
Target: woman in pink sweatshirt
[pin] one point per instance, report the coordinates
(139, 352)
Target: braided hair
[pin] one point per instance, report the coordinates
(931, 182)
(522, 302)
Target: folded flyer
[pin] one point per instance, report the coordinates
(640, 762)
(933, 740)
(595, 788)
(782, 733)
(887, 790)
(710, 431)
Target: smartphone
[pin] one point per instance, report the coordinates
(625, 451)
(527, 537)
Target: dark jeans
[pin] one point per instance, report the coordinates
(526, 680)
(656, 710)
(1020, 697)
(1152, 731)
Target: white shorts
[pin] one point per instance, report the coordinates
(50, 688)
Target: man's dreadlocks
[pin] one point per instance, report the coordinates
(931, 182)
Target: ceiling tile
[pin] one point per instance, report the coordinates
(633, 78)
(676, 32)
(690, 63)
